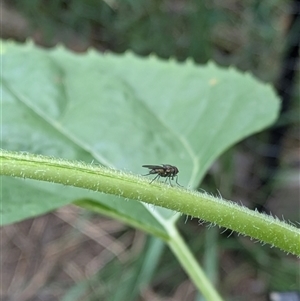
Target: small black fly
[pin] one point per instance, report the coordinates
(165, 171)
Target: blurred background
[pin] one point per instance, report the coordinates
(71, 254)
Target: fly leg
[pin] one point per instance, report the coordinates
(156, 177)
(177, 182)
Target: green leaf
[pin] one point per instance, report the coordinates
(121, 111)
(27, 196)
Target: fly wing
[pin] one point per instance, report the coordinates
(152, 166)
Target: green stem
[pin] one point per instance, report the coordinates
(203, 206)
(191, 266)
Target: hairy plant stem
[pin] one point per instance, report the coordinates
(224, 213)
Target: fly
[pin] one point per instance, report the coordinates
(165, 171)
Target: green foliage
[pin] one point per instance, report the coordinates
(230, 34)
(125, 24)
(125, 112)
(122, 112)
